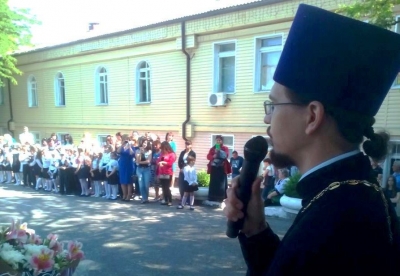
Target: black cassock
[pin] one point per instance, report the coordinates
(344, 232)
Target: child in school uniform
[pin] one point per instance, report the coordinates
(53, 173)
(95, 173)
(112, 176)
(190, 182)
(105, 159)
(7, 161)
(2, 174)
(46, 162)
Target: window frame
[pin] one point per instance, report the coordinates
(37, 136)
(99, 139)
(397, 30)
(397, 25)
(216, 65)
(98, 84)
(138, 82)
(60, 136)
(32, 80)
(231, 148)
(57, 90)
(258, 51)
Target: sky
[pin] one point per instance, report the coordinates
(64, 21)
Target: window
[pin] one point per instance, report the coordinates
(268, 52)
(101, 86)
(224, 67)
(143, 94)
(396, 83)
(36, 137)
(1, 95)
(102, 139)
(59, 86)
(228, 142)
(60, 136)
(32, 92)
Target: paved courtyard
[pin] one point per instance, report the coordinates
(131, 238)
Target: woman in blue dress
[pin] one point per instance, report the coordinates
(125, 164)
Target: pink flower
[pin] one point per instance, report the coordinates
(52, 236)
(35, 239)
(44, 261)
(24, 226)
(74, 251)
(16, 233)
(56, 246)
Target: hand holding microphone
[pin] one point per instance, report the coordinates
(245, 195)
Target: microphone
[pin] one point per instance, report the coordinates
(255, 151)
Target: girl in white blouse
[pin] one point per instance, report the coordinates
(190, 182)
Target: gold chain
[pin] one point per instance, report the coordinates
(335, 185)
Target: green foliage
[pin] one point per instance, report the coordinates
(377, 12)
(14, 33)
(203, 179)
(291, 185)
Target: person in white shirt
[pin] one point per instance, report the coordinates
(24, 159)
(53, 173)
(112, 176)
(46, 162)
(190, 182)
(105, 159)
(38, 169)
(275, 195)
(7, 161)
(95, 173)
(26, 137)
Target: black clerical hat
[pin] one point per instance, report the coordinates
(339, 61)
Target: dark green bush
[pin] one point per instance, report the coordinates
(291, 185)
(203, 179)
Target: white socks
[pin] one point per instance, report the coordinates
(114, 191)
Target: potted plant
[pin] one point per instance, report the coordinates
(203, 180)
(23, 253)
(291, 201)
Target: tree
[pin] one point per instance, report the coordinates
(14, 33)
(377, 12)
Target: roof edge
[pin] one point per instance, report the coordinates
(210, 13)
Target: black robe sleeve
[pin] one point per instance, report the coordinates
(259, 251)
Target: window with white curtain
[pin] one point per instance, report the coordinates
(268, 52)
(101, 86)
(59, 85)
(143, 91)
(224, 67)
(32, 92)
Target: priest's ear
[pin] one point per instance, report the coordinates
(315, 116)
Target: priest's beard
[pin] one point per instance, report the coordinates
(280, 161)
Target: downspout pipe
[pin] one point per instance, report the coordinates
(11, 109)
(183, 35)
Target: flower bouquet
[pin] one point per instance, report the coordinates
(23, 253)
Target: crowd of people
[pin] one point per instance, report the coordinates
(124, 167)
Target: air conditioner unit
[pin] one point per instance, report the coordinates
(217, 99)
